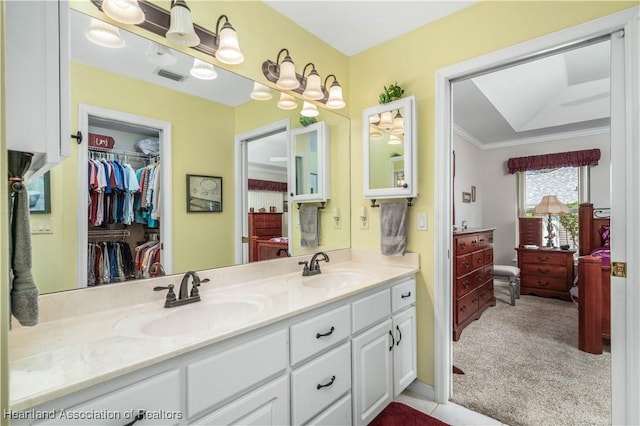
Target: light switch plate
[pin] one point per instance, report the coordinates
(421, 221)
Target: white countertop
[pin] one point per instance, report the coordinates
(61, 356)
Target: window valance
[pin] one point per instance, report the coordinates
(267, 185)
(587, 157)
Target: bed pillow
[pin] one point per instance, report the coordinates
(605, 231)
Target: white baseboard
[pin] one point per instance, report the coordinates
(424, 390)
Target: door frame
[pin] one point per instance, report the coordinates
(166, 222)
(625, 319)
(241, 176)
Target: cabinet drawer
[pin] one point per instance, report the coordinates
(488, 256)
(160, 392)
(213, 379)
(466, 244)
(467, 305)
(543, 258)
(464, 264)
(545, 270)
(262, 232)
(487, 273)
(465, 284)
(544, 282)
(485, 239)
(319, 383)
(477, 259)
(338, 414)
(485, 293)
(319, 333)
(370, 310)
(403, 294)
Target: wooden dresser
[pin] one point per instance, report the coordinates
(529, 231)
(546, 272)
(473, 280)
(262, 226)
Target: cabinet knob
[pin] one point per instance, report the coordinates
(543, 271)
(543, 284)
(465, 284)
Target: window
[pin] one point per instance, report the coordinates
(567, 183)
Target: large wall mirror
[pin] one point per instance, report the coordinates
(389, 150)
(145, 79)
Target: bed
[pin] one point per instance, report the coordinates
(594, 279)
(272, 248)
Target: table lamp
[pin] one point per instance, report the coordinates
(550, 205)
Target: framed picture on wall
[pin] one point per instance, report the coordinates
(204, 193)
(40, 194)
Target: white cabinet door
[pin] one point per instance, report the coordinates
(372, 372)
(405, 367)
(266, 406)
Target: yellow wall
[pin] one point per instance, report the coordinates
(412, 60)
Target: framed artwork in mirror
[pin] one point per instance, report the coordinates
(204, 194)
(40, 194)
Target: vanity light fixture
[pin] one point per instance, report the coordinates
(103, 34)
(374, 132)
(181, 30)
(203, 70)
(160, 55)
(287, 102)
(309, 110)
(312, 88)
(398, 125)
(394, 140)
(386, 121)
(286, 71)
(261, 92)
(124, 11)
(335, 100)
(226, 40)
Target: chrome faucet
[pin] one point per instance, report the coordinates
(184, 296)
(312, 267)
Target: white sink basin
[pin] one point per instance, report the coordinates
(337, 278)
(204, 316)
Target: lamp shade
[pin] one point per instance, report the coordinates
(394, 140)
(260, 92)
(374, 132)
(550, 205)
(287, 102)
(309, 110)
(335, 100)
(228, 47)
(386, 120)
(160, 55)
(287, 79)
(203, 70)
(398, 125)
(103, 34)
(313, 88)
(125, 11)
(181, 30)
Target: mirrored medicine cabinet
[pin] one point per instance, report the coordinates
(390, 150)
(309, 157)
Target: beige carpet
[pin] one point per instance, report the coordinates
(522, 366)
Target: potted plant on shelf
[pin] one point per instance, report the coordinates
(390, 93)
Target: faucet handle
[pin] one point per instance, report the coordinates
(305, 270)
(194, 288)
(171, 296)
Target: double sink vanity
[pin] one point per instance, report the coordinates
(264, 345)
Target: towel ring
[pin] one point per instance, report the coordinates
(16, 184)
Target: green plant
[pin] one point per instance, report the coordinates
(571, 223)
(305, 121)
(391, 93)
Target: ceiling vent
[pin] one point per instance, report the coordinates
(170, 75)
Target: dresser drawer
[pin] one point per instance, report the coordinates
(403, 294)
(546, 270)
(464, 264)
(543, 258)
(467, 305)
(487, 273)
(485, 293)
(319, 333)
(466, 244)
(317, 384)
(371, 309)
(477, 259)
(544, 282)
(488, 256)
(466, 283)
(485, 239)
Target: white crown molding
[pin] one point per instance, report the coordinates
(467, 136)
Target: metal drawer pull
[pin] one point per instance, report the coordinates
(399, 335)
(393, 341)
(405, 295)
(328, 333)
(333, 379)
(137, 418)
(543, 271)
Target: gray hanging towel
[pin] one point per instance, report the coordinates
(24, 293)
(393, 228)
(309, 226)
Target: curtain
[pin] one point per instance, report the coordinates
(587, 157)
(267, 185)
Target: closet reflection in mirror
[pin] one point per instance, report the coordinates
(203, 117)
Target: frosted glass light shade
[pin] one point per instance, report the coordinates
(125, 11)
(181, 30)
(160, 55)
(228, 47)
(386, 120)
(203, 70)
(309, 110)
(394, 140)
(335, 100)
(313, 88)
(103, 34)
(260, 92)
(374, 118)
(398, 125)
(374, 132)
(287, 79)
(287, 102)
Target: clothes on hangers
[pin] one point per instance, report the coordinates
(147, 201)
(109, 262)
(146, 254)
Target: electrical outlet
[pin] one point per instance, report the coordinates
(364, 223)
(421, 221)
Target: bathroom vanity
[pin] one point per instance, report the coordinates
(264, 346)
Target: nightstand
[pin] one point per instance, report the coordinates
(546, 272)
